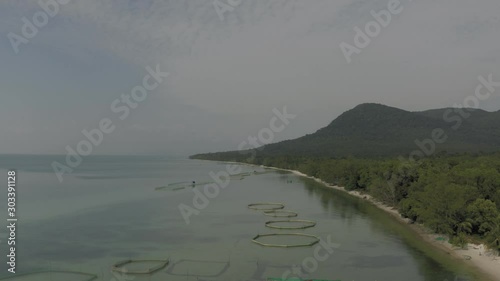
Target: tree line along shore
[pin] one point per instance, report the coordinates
(456, 195)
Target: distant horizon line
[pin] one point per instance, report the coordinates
(64, 155)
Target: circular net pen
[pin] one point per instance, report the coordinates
(198, 268)
(266, 206)
(314, 239)
(280, 214)
(120, 266)
(50, 275)
(181, 185)
(299, 224)
(240, 175)
(263, 172)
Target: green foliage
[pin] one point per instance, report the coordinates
(375, 130)
(383, 190)
(493, 237)
(442, 205)
(456, 195)
(483, 214)
(461, 240)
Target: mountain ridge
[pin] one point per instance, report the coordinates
(377, 130)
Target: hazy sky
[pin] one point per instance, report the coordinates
(227, 75)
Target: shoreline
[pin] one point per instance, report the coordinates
(487, 265)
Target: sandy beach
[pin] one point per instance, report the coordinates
(480, 258)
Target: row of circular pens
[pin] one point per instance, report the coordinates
(277, 210)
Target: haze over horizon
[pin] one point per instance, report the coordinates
(226, 76)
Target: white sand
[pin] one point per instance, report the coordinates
(487, 262)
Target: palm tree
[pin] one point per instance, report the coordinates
(493, 238)
(464, 227)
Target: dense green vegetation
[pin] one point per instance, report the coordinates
(454, 195)
(374, 130)
(452, 187)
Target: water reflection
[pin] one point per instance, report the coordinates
(139, 222)
(351, 209)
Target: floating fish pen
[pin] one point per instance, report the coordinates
(266, 206)
(181, 185)
(315, 239)
(50, 274)
(217, 272)
(240, 175)
(303, 224)
(263, 172)
(280, 213)
(120, 266)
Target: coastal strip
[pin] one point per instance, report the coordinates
(487, 265)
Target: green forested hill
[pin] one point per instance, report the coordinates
(456, 193)
(374, 130)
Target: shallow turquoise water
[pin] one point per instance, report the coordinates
(108, 210)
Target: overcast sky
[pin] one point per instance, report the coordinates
(227, 75)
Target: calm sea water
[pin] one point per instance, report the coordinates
(108, 210)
